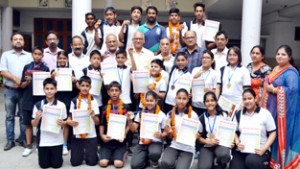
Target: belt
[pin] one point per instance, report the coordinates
(10, 88)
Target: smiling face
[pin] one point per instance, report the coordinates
(138, 40)
(18, 42)
(155, 69)
(249, 101)
(174, 18)
(207, 61)
(62, 60)
(50, 91)
(110, 17)
(181, 62)
(282, 57)
(256, 55)
(84, 88)
(221, 42)
(111, 43)
(136, 15)
(151, 102)
(90, 20)
(210, 103)
(77, 46)
(232, 57)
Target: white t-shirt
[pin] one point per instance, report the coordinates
(48, 138)
(174, 32)
(90, 38)
(84, 106)
(240, 77)
(124, 77)
(131, 31)
(78, 63)
(220, 58)
(199, 29)
(161, 123)
(113, 29)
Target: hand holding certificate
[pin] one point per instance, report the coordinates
(140, 80)
(250, 138)
(187, 131)
(116, 126)
(96, 82)
(198, 86)
(210, 30)
(226, 132)
(149, 125)
(84, 121)
(110, 72)
(227, 105)
(49, 119)
(38, 79)
(64, 79)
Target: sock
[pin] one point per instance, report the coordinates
(65, 144)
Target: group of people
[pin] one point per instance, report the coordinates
(266, 99)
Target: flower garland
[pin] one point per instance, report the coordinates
(157, 110)
(89, 97)
(173, 122)
(109, 106)
(142, 95)
(176, 40)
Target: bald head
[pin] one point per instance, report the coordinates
(111, 42)
(138, 40)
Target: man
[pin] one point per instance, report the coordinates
(50, 53)
(111, 42)
(152, 30)
(193, 51)
(220, 53)
(11, 67)
(141, 55)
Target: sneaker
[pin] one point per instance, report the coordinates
(155, 164)
(27, 152)
(65, 150)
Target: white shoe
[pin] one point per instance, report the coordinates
(27, 152)
(65, 150)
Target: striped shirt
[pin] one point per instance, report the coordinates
(194, 58)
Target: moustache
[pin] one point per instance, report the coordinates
(52, 45)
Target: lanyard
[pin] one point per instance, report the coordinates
(213, 126)
(206, 75)
(120, 76)
(229, 77)
(176, 78)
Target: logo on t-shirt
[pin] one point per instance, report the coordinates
(158, 31)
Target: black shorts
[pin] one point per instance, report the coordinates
(113, 153)
(27, 117)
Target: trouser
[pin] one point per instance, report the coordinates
(12, 99)
(84, 149)
(143, 153)
(50, 156)
(173, 158)
(250, 161)
(208, 154)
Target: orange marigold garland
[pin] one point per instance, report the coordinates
(173, 122)
(176, 40)
(89, 97)
(109, 106)
(142, 95)
(157, 110)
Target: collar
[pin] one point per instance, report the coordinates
(185, 111)
(198, 49)
(122, 67)
(185, 70)
(81, 56)
(217, 114)
(257, 110)
(47, 50)
(238, 65)
(194, 22)
(104, 22)
(36, 66)
(23, 52)
(91, 68)
(146, 24)
(46, 102)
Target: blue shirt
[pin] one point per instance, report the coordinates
(152, 36)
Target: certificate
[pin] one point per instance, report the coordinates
(38, 79)
(110, 71)
(198, 86)
(49, 118)
(140, 80)
(227, 105)
(84, 121)
(187, 131)
(226, 132)
(64, 79)
(210, 30)
(250, 138)
(96, 82)
(184, 82)
(149, 125)
(116, 126)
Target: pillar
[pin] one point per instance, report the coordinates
(109, 3)
(251, 25)
(79, 9)
(7, 27)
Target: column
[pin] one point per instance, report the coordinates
(79, 9)
(251, 25)
(1, 30)
(7, 27)
(109, 3)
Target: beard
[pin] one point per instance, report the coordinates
(52, 45)
(151, 20)
(19, 47)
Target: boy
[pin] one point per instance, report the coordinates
(28, 98)
(88, 35)
(112, 150)
(50, 144)
(84, 146)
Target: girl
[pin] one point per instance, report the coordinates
(208, 124)
(234, 77)
(178, 155)
(179, 70)
(207, 73)
(252, 116)
(64, 96)
(148, 149)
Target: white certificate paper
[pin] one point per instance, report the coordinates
(187, 131)
(38, 79)
(116, 126)
(250, 138)
(198, 86)
(149, 125)
(184, 82)
(226, 132)
(210, 30)
(84, 121)
(140, 80)
(96, 82)
(64, 79)
(110, 71)
(227, 105)
(49, 118)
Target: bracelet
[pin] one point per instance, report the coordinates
(274, 90)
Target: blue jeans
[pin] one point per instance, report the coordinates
(12, 99)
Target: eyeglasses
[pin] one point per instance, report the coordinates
(52, 39)
(138, 39)
(190, 37)
(206, 58)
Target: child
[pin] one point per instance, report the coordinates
(64, 96)
(28, 98)
(50, 144)
(148, 149)
(112, 150)
(178, 155)
(179, 70)
(84, 146)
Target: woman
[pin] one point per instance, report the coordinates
(281, 97)
(258, 70)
